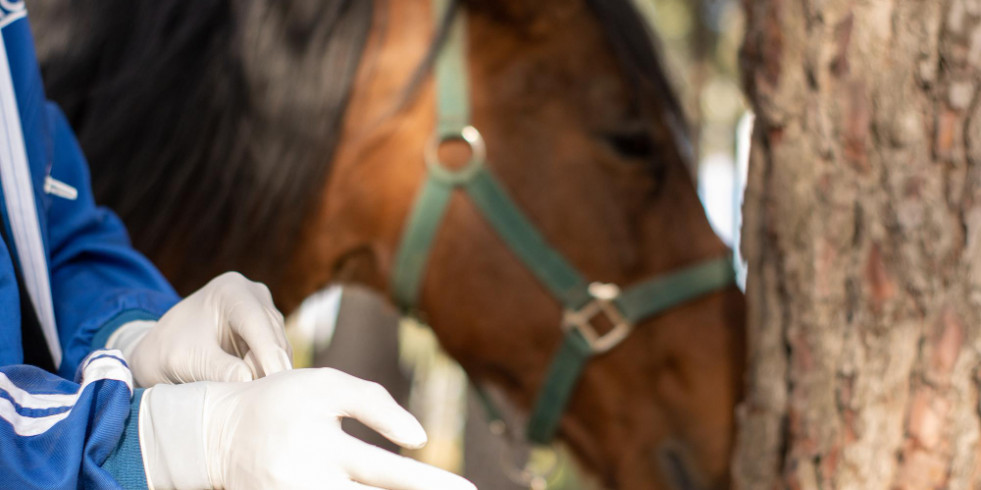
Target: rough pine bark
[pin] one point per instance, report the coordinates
(863, 235)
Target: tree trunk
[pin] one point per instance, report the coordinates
(863, 236)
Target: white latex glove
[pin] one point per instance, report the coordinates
(229, 330)
(282, 431)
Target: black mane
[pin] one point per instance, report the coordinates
(234, 107)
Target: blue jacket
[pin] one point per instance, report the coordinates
(84, 281)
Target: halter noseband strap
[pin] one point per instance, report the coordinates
(581, 300)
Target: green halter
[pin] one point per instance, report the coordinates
(580, 299)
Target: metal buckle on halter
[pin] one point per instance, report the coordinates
(604, 296)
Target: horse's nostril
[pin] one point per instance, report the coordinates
(676, 466)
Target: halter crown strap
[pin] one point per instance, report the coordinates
(581, 300)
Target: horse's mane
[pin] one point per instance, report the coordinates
(210, 125)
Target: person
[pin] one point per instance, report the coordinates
(108, 379)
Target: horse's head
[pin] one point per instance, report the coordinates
(584, 134)
(243, 108)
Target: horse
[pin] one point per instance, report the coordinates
(290, 140)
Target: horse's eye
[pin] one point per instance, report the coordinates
(633, 143)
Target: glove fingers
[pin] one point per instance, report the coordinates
(373, 406)
(377, 467)
(264, 335)
(253, 365)
(221, 366)
(276, 317)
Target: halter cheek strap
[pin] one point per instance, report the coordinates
(582, 301)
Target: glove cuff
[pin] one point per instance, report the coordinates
(126, 338)
(128, 335)
(172, 437)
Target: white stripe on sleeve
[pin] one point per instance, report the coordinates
(108, 367)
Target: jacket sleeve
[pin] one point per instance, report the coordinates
(59, 434)
(98, 281)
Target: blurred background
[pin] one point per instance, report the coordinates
(700, 45)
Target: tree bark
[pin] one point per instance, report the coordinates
(863, 237)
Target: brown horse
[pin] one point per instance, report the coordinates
(284, 139)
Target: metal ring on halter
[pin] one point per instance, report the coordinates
(478, 152)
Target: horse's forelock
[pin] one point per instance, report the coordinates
(635, 46)
(637, 49)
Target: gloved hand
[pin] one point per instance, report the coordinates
(229, 330)
(282, 431)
